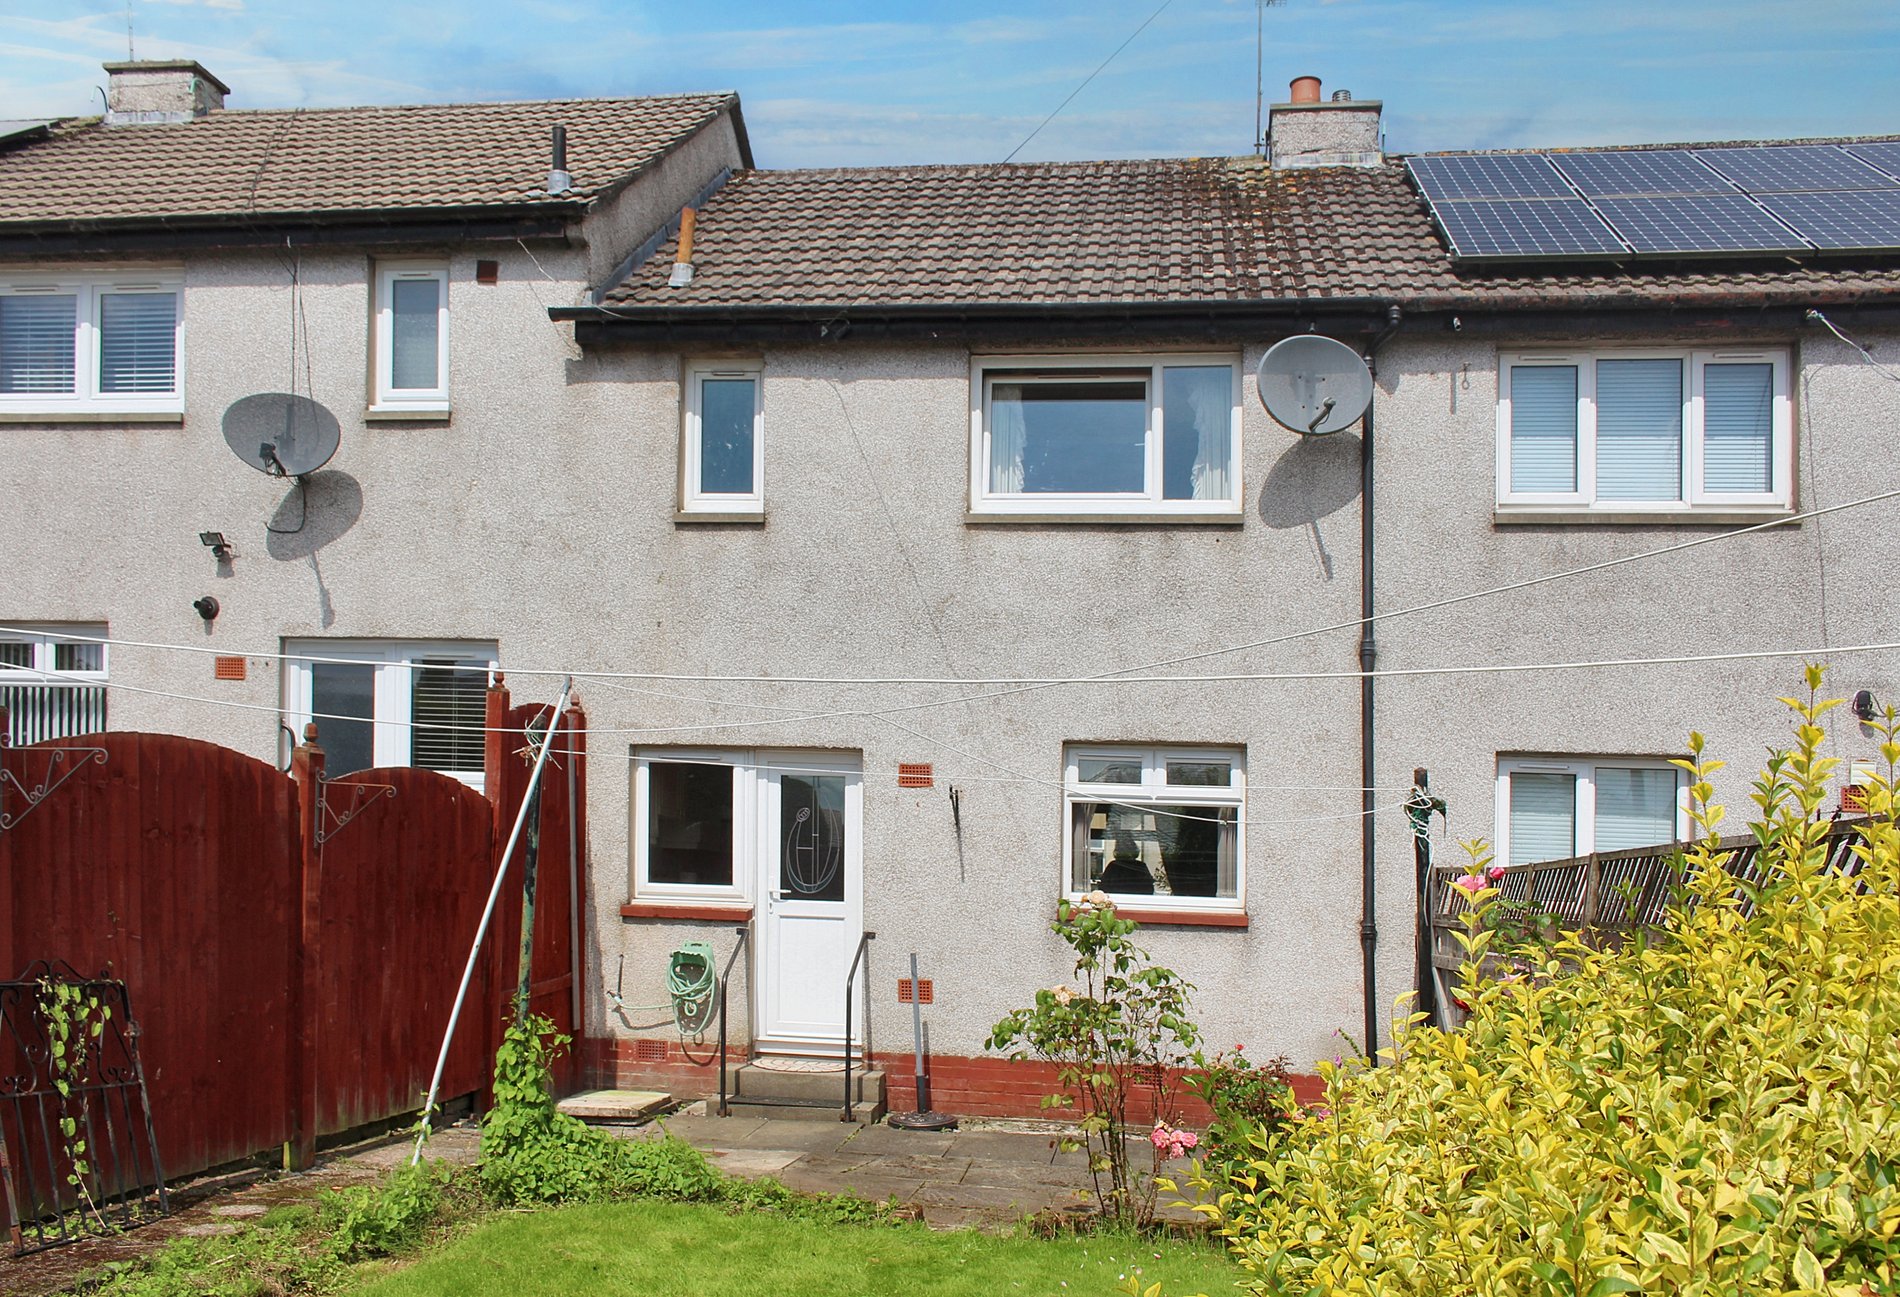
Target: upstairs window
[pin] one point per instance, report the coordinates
(90, 344)
(412, 337)
(1161, 824)
(52, 686)
(1629, 430)
(392, 703)
(1092, 435)
(723, 467)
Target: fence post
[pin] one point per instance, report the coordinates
(7, 967)
(1592, 891)
(495, 771)
(306, 769)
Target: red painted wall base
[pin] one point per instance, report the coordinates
(982, 1086)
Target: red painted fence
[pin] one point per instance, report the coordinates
(291, 947)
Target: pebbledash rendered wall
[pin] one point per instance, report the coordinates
(541, 516)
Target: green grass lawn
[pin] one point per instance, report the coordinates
(658, 1249)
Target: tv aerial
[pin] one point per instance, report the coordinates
(280, 434)
(1314, 385)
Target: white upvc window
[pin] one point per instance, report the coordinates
(1645, 430)
(1135, 434)
(94, 343)
(1157, 826)
(412, 337)
(723, 463)
(52, 686)
(714, 824)
(392, 702)
(1553, 808)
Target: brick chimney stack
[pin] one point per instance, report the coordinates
(1309, 132)
(161, 90)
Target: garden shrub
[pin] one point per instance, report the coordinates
(387, 1217)
(1127, 1029)
(1252, 1105)
(1714, 1108)
(534, 1153)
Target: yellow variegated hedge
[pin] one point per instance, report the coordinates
(1713, 1110)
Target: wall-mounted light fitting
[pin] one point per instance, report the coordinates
(1865, 708)
(214, 541)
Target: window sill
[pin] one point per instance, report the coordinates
(1236, 519)
(1531, 516)
(730, 517)
(1157, 916)
(397, 414)
(727, 912)
(92, 416)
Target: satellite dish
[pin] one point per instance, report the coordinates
(1314, 385)
(281, 434)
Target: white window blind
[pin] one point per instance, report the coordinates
(415, 334)
(136, 342)
(1636, 807)
(448, 709)
(1639, 429)
(1544, 429)
(1543, 817)
(37, 350)
(1738, 435)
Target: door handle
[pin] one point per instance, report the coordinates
(776, 894)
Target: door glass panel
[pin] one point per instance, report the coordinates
(812, 853)
(342, 701)
(689, 824)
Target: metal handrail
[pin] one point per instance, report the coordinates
(864, 945)
(743, 943)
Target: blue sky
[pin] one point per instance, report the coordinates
(859, 83)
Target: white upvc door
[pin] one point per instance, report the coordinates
(811, 901)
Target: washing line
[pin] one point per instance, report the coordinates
(1023, 683)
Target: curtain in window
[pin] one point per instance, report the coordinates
(416, 333)
(1738, 427)
(1544, 429)
(137, 333)
(1197, 428)
(1008, 436)
(36, 344)
(1635, 807)
(1543, 817)
(1639, 430)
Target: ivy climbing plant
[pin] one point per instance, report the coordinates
(75, 1018)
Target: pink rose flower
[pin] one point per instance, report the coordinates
(1472, 883)
(1495, 873)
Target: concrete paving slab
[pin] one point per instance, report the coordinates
(615, 1105)
(1005, 1146)
(906, 1143)
(755, 1132)
(753, 1162)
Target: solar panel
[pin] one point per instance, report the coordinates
(1486, 175)
(1629, 172)
(1885, 155)
(1698, 223)
(1794, 168)
(1855, 219)
(1526, 227)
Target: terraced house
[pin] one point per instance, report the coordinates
(930, 549)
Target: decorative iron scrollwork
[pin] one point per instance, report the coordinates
(331, 821)
(58, 771)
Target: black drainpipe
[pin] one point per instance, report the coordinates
(1368, 659)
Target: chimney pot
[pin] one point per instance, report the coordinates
(1304, 90)
(161, 90)
(1342, 96)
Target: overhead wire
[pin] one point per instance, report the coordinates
(1113, 675)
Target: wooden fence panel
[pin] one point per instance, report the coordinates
(403, 887)
(168, 865)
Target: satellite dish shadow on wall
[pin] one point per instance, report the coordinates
(318, 509)
(1316, 476)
